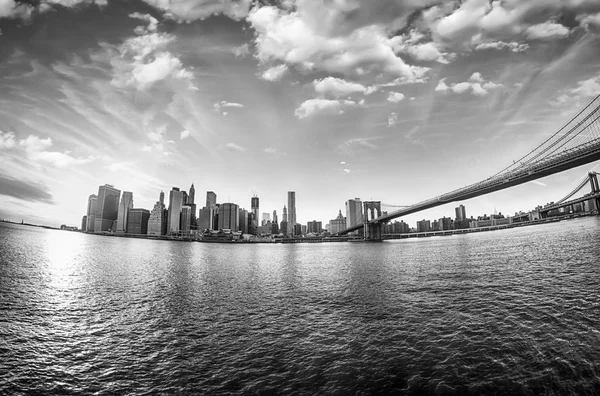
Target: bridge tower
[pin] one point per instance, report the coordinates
(373, 230)
(595, 202)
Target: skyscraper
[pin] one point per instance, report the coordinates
(211, 200)
(175, 204)
(83, 223)
(285, 216)
(192, 205)
(186, 219)
(137, 221)
(275, 220)
(291, 221)
(266, 217)
(91, 212)
(254, 208)
(124, 206)
(157, 223)
(229, 217)
(107, 208)
(354, 212)
(461, 213)
(243, 221)
(191, 195)
(338, 224)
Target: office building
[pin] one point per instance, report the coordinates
(124, 206)
(266, 217)
(461, 213)
(338, 224)
(211, 200)
(274, 228)
(275, 220)
(192, 204)
(83, 223)
(423, 226)
(243, 221)
(285, 217)
(314, 227)
(297, 229)
(91, 212)
(229, 217)
(174, 214)
(354, 213)
(137, 221)
(303, 229)
(445, 224)
(283, 228)
(291, 211)
(254, 207)
(107, 208)
(157, 222)
(206, 218)
(186, 220)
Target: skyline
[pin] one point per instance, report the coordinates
(260, 98)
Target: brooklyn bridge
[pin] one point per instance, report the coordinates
(575, 144)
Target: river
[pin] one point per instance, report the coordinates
(514, 311)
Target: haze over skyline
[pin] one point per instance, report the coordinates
(396, 101)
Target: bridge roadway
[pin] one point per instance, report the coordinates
(567, 159)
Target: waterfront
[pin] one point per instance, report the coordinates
(515, 311)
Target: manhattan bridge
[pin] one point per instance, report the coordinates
(575, 144)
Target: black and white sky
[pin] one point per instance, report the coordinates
(391, 100)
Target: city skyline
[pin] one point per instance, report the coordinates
(450, 96)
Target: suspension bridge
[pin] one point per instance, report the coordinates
(575, 144)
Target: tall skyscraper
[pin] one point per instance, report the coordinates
(175, 205)
(266, 217)
(124, 206)
(291, 222)
(338, 224)
(354, 212)
(254, 208)
(229, 217)
(461, 213)
(137, 221)
(91, 212)
(83, 223)
(157, 223)
(285, 216)
(243, 221)
(211, 200)
(275, 220)
(191, 203)
(191, 195)
(186, 219)
(107, 208)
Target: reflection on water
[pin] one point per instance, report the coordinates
(514, 312)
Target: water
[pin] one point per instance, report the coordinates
(507, 312)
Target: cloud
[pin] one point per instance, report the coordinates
(547, 31)
(36, 150)
(585, 89)
(25, 190)
(392, 120)
(476, 85)
(13, 10)
(274, 73)
(234, 147)
(499, 45)
(361, 142)
(395, 97)
(241, 51)
(7, 140)
(309, 37)
(157, 141)
(152, 22)
(189, 10)
(315, 106)
(343, 163)
(183, 135)
(224, 104)
(339, 87)
(590, 23)
(346, 170)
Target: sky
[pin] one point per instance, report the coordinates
(389, 100)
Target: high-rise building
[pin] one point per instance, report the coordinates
(354, 212)
(211, 200)
(316, 227)
(205, 219)
(91, 212)
(107, 208)
(243, 221)
(285, 216)
(291, 211)
(283, 228)
(275, 220)
(174, 214)
(423, 226)
(229, 217)
(83, 223)
(124, 206)
(192, 204)
(157, 222)
(297, 229)
(461, 213)
(137, 221)
(191, 195)
(445, 223)
(338, 224)
(274, 228)
(186, 220)
(254, 208)
(266, 217)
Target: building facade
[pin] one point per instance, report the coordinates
(107, 208)
(243, 221)
(91, 213)
(338, 224)
(174, 213)
(291, 220)
(211, 200)
(315, 227)
(423, 226)
(186, 220)
(354, 212)
(254, 204)
(124, 206)
(229, 217)
(157, 222)
(137, 221)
